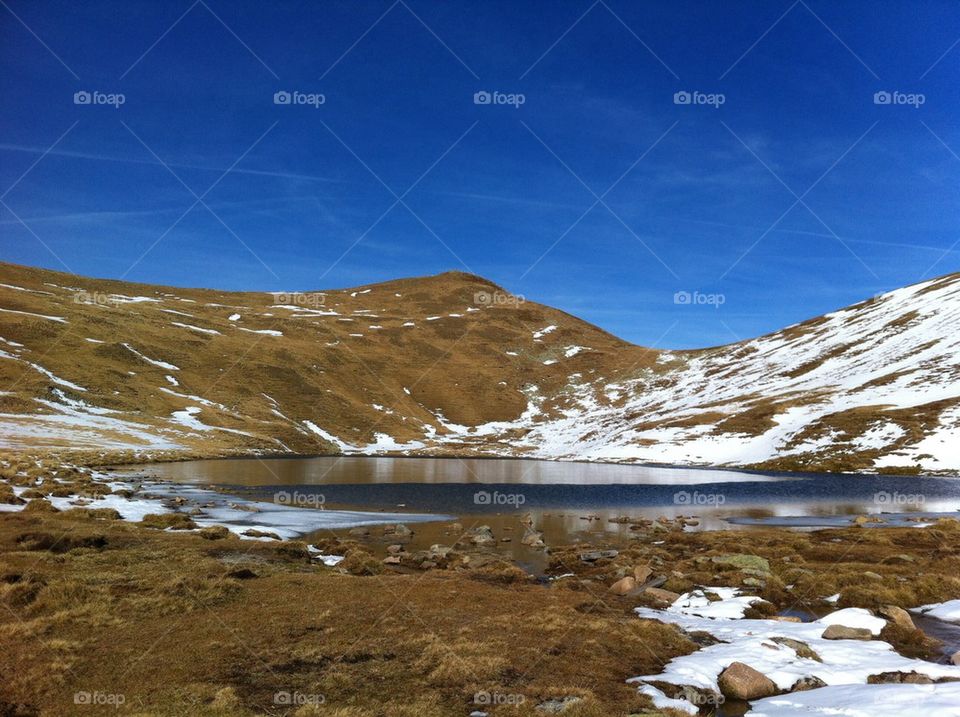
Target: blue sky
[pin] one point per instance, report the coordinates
(598, 194)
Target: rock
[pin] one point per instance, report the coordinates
(533, 538)
(955, 658)
(439, 551)
(427, 565)
(527, 520)
(807, 683)
(398, 531)
(897, 678)
(742, 561)
(785, 618)
(455, 528)
(642, 573)
(557, 705)
(482, 535)
(254, 533)
(861, 520)
(661, 595)
(753, 582)
(872, 576)
(391, 560)
(842, 632)
(801, 648)
(592, 556)
(898, 616)
(742, 682)
(394, 549)
(623, 586)
(214, 532)
(359, 532)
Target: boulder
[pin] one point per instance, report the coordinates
(661, 595)
(591, 556)
(482, 535)
(391, 560)
(807, 683)
(742, 682)
(642, 573)
(842, 632)
(624, 585)
(359, 532)
(898, 678)
(254, 533)
(743, 561)
(533, 538)
(398, 531)
(801, 648)
(955, 658)
(898, 616)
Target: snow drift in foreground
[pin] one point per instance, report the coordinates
(844, 665)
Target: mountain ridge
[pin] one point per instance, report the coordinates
(453, 364)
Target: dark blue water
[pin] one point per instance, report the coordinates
(485, 486)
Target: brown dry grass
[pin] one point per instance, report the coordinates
(111, 607)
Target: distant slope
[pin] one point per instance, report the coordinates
(453, 364)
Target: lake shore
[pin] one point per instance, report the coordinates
(172, 616)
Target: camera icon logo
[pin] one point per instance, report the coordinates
(482, 497)
(482, 98)
(681, 498)
(882, 97)
(682, 297)
(82, 97)
(482, 298)
(281, 98)
(682, 98)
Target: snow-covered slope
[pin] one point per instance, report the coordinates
(876, 385)
(454, 364)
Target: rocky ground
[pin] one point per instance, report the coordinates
(162, 616)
